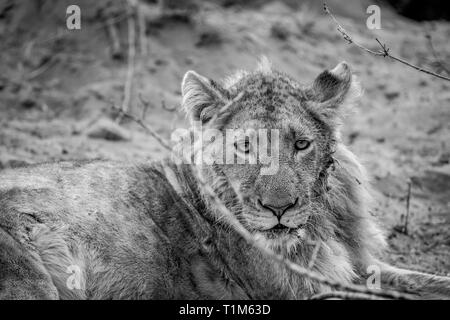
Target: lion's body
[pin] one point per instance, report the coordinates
(109, 230)
(90, 217)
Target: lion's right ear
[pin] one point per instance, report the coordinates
(335, 91)
(202, 97)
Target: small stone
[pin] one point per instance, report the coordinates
(108, 130)
(392, 95)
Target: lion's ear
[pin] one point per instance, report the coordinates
(201, 96)
(335, 89)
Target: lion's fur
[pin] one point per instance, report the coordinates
(137, 231)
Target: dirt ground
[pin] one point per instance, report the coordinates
(57, 87)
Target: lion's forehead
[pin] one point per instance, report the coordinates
(272, 97)
(285, 128)
(260, 114)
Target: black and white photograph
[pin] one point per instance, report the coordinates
(235, 150)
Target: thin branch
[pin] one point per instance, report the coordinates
(131, 57)
(222, 110)
(42, 69)
(249, 238)
(113, 20)
(342, 295)
(408, 199)
(146, 105)
(436, 56)
(143, 45)
(116, 51)
(64, 32)
(220, 113)
(384, 52)
(147, 129)
(316, 250)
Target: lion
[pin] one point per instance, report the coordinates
(101, 229)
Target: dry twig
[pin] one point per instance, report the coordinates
(249, 238)
(384, 52)
(142, 31)
(222, 110)
(408, 199)
(146, 104)
(342, 295)
(436, 56)
(131, 57)
(314, 254)
(116, 51)
(43, 68)
(147, 129)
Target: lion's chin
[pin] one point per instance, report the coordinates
(281, 240)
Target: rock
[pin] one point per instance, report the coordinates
(208, 38)
(443, 159)
(13, 163)
(28, 103)
(108, 130)
(353, 136)
(161, 62)
(391, 186)
(433, 184)
(392, 95)
(280, 31)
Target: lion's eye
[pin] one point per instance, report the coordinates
(243, 146)
(302, 144)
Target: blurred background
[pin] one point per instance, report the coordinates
(58, 86)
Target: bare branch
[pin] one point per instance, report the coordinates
(384, 52)
(147, 129)
(62, 32)
(42, 69)
(246, 235)
(222, 110)
(436, 57)
(249, 238)
(146, 105)
(131, 57)
(408, 199)
(142, 31)
(315, 252)
(116, 51)
(342, 295)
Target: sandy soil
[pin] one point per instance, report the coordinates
(56, 94)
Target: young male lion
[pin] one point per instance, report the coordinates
(108, 230)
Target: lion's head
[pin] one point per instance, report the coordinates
(255, 116)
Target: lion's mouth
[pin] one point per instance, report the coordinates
(280, 227)
(278, 231)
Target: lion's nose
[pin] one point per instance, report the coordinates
(278, 210)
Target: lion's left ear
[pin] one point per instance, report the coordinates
(334, 90)
(201, 97)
